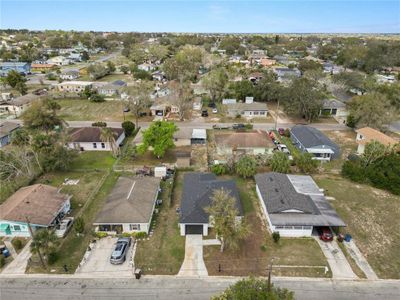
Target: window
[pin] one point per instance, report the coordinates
(17, 228)
(306, 227)
(298, 227)
(279, 227)
(256, 113)
(262, 113)
(134, 227)
(103, 145)
(95, 145)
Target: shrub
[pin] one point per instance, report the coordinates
(219, 169)
(140, 235)
(17, 243)
(2, 261)
(248, 126)
(79, 225)
(287, 132)
(246, 167)
(99, 124)
(97, 98)
(101, 234)
(128, 127)
(52, 258)
(276, 236)
(263, 248)
(126, 234)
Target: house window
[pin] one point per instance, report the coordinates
(279, 227)
(256, 113)
(134, 227)
(262, 113)
(95, 145)
(103, 145)
(17, 228)
(298, 227)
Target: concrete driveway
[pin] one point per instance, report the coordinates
(18, 265)
(193, 264)
(337, 261)
(98, 261)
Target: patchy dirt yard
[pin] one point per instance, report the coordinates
(372, 218)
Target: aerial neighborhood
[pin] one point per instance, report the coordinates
(199, 154)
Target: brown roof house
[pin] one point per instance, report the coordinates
(366, 135)
(40, 205)
(253, 143)
(130, 206)
(89, 139)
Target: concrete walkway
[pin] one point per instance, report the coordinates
(10, 247)
(193, 264)
(360, 260)
(337, 261)
(18, 265)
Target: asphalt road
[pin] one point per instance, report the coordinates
(170, 287)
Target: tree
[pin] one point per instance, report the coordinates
(241, 89)
(307, 65)
(373, 152)
(21, 87)
(44, 241)
(246, 166)
(182, 97)
(372, 109)
(157, 52)
(107, 136)
(14, 79)
(215, 82)
(110, 66)
(159, 136)
(79, 225)
(254, 289)
(280, 162)
(305, 162)
(139, 98)
(43, 115)
(20, 137)
(124, 69)
(129, 128)
(97, 71)
(85, 56)
(223, 215)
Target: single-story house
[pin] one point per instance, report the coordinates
(158, 75)
(311, 140)
(6, 130)
(88, 139)
(17, 105)
(70, 75)
(40, 205)
(112, 89)
(332, 68)
(146, 67)
(43, 67)
(130, 206)
(73, 86)
(21, 67)
(247, 110)
(199, 136)
(182, 137)
(267, 62)
(367, 134)
(284, 74)
(162, 107)
(59, 61)
(336, 109)
(198, 189)
(253, 143)
(294, 205)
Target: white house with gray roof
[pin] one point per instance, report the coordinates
(294, 205)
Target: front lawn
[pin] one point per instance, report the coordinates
(292, 256)
(93, 160)
(164, 252)
(372, 218)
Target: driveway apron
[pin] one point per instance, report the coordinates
(193, 264)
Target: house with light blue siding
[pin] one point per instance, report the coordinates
(23, 68)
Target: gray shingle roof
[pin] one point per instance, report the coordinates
(332, 103)
(196, 196)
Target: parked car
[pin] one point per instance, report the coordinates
(212, 105)
(64, 226)
(204, 113)
(283, 148)
(215, 110)
(126, 109)
(118, 256)
(238, 126)
(325, 234)
(159, 113)
(220, 126)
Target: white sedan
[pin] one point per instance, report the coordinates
(64, 226)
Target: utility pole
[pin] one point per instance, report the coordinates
(270, 273)
(37, 248)
(277, 115)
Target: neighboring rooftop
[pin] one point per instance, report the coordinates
(369, 134)
(131, 200)
(247, 106)
(21, 100)
(199, 134)
(91, 134)
(39, 203)
(7, 127)
(332, 104)
(253, 139)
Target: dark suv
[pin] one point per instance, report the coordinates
(238, 126)
(118, 256)
(204, 113)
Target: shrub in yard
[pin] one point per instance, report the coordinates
(246, 167)
(140, 235)
(128, 127)
(287, 132)
(99, 124)
(219, 169)
(52, 258)
(126, 234)
(248, 126)
(17, 244)
(2, 261)
(276, 236)
(101, 234)
(79, 225)
(96, 98)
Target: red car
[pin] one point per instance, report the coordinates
(325, 234)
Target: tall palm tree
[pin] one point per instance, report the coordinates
(107, 136)
(44, 241)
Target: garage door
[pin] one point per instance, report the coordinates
(194, 229)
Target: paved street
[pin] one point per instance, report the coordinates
(171, 287)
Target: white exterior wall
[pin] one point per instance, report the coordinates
(13, 109)
(360, 148)
(90, 147)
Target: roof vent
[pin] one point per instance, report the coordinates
(271, 179)
(276, 190)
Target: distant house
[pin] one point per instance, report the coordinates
(75, 56)
(197, 103)
(112, 89)
(294, 205)
(23, 68)
(311, 140)
(252, 143)
(285, 74)
(199, 136)
(267, 62)
(198, 189)
(158, 75)
(130, 206)
(17, 105)
(40, 205)
(6, 130)
(331, 68)
(334, 108)
(247, 110)
(59, 61)
(70, 75)
(187, 136)
(146, 67)
(73, 86)
(163, 106)
(43, 67)
(383, 78)
(256, 76)
(366, 135)
(88, 139)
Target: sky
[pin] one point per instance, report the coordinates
(269, 16)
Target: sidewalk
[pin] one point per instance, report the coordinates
(360, 260)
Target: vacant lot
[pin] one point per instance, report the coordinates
(258, 248)
(372, 218)
(91, 160)
(163, 253)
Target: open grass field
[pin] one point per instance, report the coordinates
(372, 218)
(164, 252)
(292, 256)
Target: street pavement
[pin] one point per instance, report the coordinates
(172, 287)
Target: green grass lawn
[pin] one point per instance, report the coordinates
(113, 77)
(93, 160)
(372, 218)
(164, 252)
